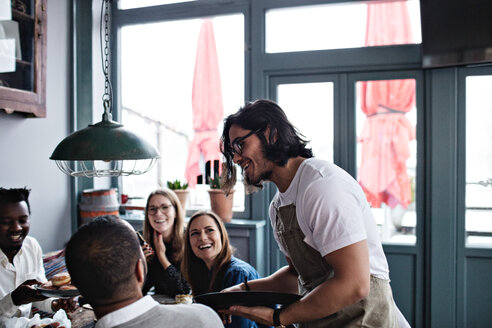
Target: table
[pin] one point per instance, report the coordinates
(83, 317)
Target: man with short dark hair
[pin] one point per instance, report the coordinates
(21, 262)
(106, 263)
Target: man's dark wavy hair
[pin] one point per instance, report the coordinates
(15, 195)
(258, 116)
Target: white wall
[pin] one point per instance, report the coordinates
(27, 143)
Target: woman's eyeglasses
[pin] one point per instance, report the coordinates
(163, 208)
(238, 143)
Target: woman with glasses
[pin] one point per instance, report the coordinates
(164, 244)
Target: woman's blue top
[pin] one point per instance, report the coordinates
(235, 274)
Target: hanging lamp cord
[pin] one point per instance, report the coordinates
(105, 52)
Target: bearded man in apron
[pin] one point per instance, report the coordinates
(322, 223)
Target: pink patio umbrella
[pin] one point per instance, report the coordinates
(206, 102)
(386, 132)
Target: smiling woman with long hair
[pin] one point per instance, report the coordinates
(208, 263)
(164, 235)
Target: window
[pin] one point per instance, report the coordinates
(386, 148)
(478, 214)
(157, 79)
(318, 27)
(386, 155)
(304, 101)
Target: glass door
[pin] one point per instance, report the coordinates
(478, 188)
(385, 155)
(367, 123)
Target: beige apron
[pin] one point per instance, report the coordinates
(376, 310)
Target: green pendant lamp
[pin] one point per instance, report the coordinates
(104, 149)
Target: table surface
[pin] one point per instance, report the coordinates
(83, 317)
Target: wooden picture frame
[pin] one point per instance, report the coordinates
(24, 90)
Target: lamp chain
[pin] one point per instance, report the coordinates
(107, 96)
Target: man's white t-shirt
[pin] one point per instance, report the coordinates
(332, 212)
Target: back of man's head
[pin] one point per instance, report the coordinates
(101, 258)
(15, 195)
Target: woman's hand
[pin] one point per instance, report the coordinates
(147, 250)
(159, 245)
(160, 249)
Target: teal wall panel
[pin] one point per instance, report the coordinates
(478, 298)
(81, 88)
(442, 216)
(403, 282)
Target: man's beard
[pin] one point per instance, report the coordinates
(252, 186)
(256, 185)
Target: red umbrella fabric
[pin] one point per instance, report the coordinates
(386, 132)
(207, 104)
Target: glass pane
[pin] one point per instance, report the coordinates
(303, 101)
(130, 4)
(157, 81)
(479, 161)
(386, 155)
(318, 27)
(17, 46)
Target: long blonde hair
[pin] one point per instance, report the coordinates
(195, 270)
(177, 237)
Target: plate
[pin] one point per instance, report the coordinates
(246, 298)
(64, 293)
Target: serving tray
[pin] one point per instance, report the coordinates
(246, 298)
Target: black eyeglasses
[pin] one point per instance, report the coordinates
(238, 143)
(163, 208)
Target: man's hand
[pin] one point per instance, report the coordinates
(235, 288)
(67, 304)
(259, 314)
(226, 316)
(26, 293)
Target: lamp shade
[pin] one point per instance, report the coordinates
(105, 141)
(104, 149)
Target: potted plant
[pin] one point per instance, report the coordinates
(219, 202)
(181, 190)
